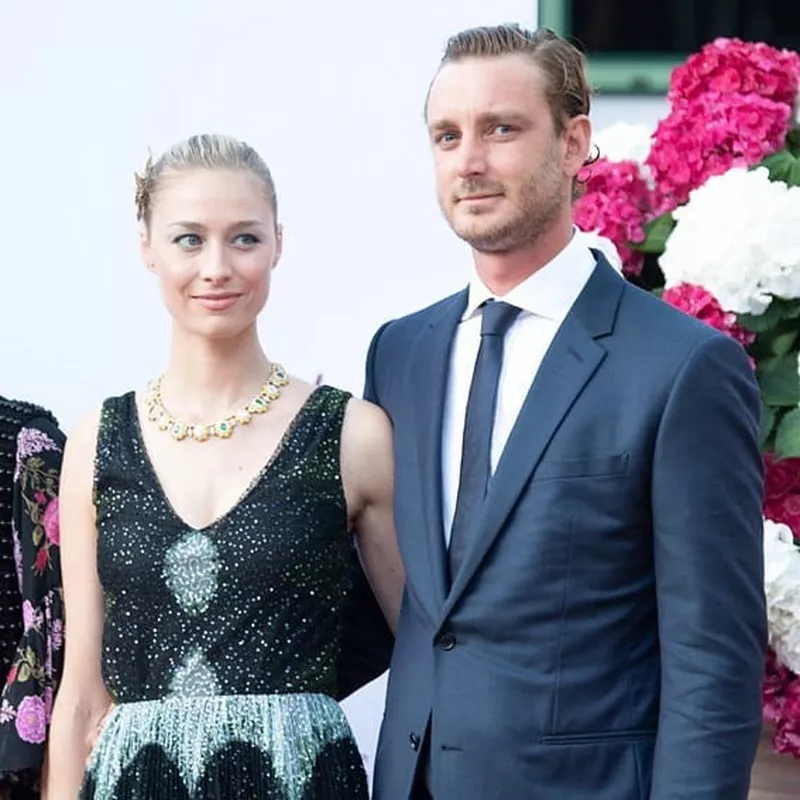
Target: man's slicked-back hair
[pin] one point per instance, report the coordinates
(563, 65)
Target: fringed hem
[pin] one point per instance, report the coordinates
(281, 747)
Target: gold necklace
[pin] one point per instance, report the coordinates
(180, 430)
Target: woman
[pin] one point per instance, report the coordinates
(31, 620)
(205, 542)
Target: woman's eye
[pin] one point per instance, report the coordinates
(188, 241)
(246, 240)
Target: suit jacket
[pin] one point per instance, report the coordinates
(605, 637)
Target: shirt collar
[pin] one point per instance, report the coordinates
(550, 292)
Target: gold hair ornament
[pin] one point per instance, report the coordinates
(142, 197)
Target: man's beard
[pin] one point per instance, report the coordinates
(541, 202)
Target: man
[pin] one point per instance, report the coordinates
(578, 485)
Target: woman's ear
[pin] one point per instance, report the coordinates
(145, 248)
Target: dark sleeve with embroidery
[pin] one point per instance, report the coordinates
(32, 679)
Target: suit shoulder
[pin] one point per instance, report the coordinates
(416, 320)
(662, 321)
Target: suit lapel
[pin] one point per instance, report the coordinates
(429, 387)
(569, 364)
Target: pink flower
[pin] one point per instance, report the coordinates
(31, 722)
(616, 203)
(48, 702)
(776, 680)
(40, 497)
(782, 491)
(702, 305)
(731, 66)
(787, 728)
(707, 136)
(50, 522)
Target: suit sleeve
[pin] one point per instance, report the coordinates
(367, 640)
(707, 489)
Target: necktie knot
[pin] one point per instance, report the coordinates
(497, 317)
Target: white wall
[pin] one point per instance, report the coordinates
(330, 93)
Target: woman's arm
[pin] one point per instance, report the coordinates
(368, 475)
(82, 701)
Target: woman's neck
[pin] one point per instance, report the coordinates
(210, 378)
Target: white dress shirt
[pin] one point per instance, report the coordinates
(545, 299)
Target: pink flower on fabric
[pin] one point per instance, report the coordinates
(48, 703)
(616, 203)
(7, 712)
(731, 66)
(17, 554)
(702, 305)
(707, 136)
(31, 722)
(57, 634)
(31, 441)
(28, 615)
(50, 522)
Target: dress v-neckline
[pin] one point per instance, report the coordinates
(257, 479)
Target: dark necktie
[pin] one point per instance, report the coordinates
(478, 425)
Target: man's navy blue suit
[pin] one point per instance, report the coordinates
(604, 638)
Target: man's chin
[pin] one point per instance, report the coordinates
(484, 239)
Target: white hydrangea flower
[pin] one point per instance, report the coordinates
(782, 588)
(738, 237)
(624, 142)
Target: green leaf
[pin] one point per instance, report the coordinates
(777, 311)
(779, 381)
(767, 423)
(784, 165)
(782, 343)
(657, 232)
(787, 438)
(793, 141)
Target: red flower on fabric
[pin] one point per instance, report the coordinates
(40, 564)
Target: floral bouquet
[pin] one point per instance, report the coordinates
(705, 212)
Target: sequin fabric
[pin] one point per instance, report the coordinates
(220, 645)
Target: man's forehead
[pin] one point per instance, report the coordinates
(485, 85)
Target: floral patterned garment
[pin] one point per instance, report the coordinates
(35, 668)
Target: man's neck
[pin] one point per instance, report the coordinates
(501, 272)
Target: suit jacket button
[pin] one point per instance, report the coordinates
(413, 740)
(445, 641)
